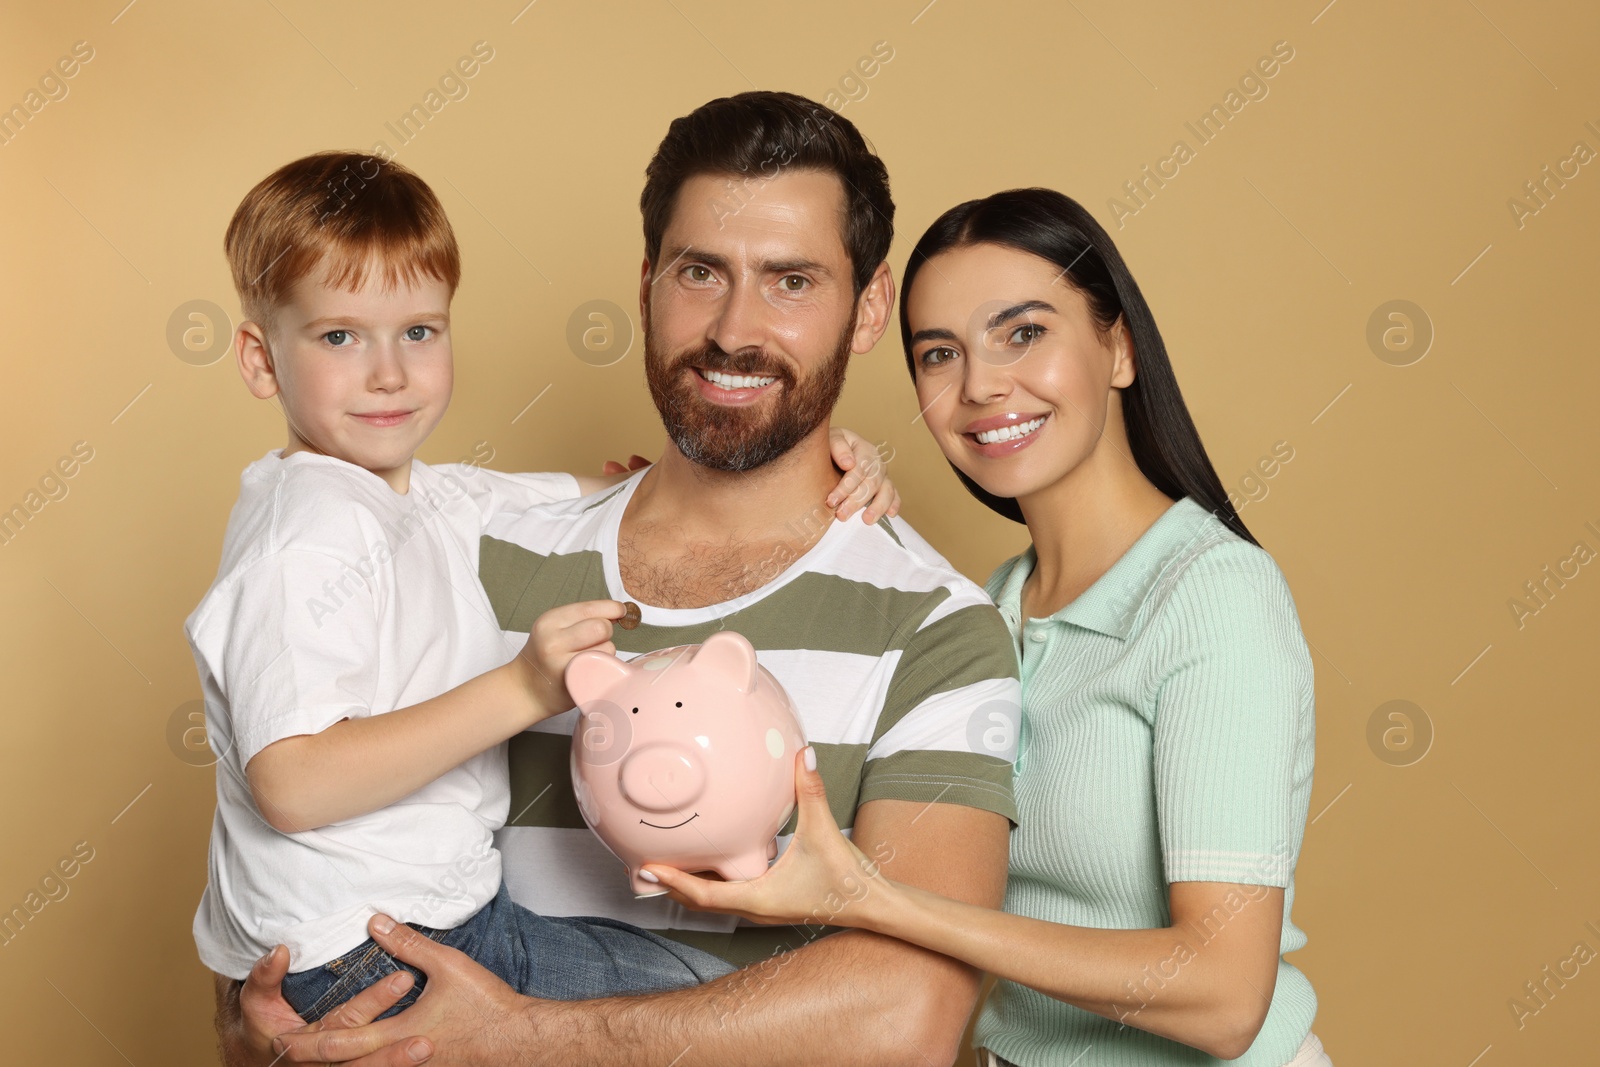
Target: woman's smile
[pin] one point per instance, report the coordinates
(1003, 435)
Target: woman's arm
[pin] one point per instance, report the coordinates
(1205, 980)
(360, 765)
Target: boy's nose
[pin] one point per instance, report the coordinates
(388, 373)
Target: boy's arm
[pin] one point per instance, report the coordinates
(362, 764)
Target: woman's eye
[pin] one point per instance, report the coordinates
(1027, 334)
(337, 338)
(794, 283)
(935, 356)
(419, 333)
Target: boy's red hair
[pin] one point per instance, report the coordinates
(341, 211)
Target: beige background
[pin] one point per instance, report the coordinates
(1419, 501)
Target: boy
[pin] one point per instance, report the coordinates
(358, 686)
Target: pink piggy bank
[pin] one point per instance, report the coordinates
(684, 756)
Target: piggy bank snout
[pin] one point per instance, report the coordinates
(662, 777)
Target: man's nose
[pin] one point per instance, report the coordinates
(740, 322)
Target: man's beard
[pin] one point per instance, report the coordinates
(736, 438)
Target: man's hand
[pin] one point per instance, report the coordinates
(250, 1016)
(463, 1007)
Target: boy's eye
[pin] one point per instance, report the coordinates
(419, 333)
(337, 338)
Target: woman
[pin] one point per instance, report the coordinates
(1164, 766)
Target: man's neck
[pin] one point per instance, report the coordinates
(783, 500)
(691, 537)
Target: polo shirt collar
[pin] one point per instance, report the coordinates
(1111, 605)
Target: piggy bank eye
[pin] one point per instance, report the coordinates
(636, 711)
(679, 704)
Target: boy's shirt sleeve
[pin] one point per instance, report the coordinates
(498, 493)
(293, 644)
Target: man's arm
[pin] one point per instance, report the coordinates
(853, 997)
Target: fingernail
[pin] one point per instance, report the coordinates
(811, 758)
(649, 877)
(382, 923)
(418, 1051)
(400, 982)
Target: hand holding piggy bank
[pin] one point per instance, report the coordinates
(684, 756)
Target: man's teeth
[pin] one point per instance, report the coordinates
(1009, 433)
(735, 381)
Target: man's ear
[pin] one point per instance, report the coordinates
(255, 361)
(1124, 358)
(644, 296)
(873, 308)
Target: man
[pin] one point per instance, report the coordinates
(767, 220)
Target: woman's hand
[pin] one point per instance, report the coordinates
(864, 480)
(820, 878)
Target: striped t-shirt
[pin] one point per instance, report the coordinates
(902, 672)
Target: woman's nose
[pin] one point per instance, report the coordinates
(984, 379)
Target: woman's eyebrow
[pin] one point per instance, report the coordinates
(933, 334)
(1023, 308)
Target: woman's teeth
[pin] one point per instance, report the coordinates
(1009, 433)
(735, 381)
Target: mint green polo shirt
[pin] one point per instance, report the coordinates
(1167, 737)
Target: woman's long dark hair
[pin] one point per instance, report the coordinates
(1044, 223)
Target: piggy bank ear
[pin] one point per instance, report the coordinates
(730, 655)
(589, 674)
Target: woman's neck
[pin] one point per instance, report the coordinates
(1084, 523)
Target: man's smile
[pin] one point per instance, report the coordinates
(721, 387)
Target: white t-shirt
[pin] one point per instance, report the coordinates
(339, 598)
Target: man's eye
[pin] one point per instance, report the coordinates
(419, 333)
(337, 338)
(794, 283)
(698, 274)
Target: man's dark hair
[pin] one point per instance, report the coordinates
(755, 136)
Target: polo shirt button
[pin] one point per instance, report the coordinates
(1036, 636)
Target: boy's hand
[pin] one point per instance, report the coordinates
(864, 481)
(557, 636)
(635, 462)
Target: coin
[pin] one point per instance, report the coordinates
(630, 615)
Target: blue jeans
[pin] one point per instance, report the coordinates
(552, 958)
